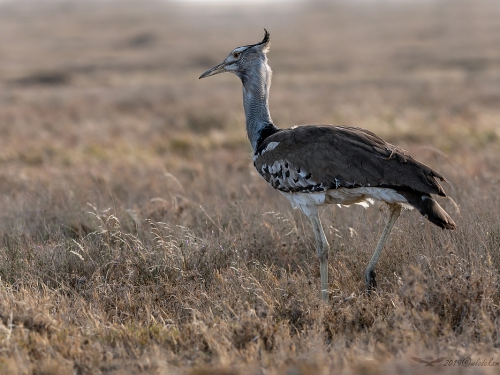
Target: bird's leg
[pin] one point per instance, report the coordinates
(322, 248)
(371, 284)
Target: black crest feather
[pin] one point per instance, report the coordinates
(267, 38)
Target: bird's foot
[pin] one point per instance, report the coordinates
(371, 283)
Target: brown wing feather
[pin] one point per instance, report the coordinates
(325, 157)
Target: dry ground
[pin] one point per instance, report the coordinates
(135, 236)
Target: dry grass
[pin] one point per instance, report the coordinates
(137, 238)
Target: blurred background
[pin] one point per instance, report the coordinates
(129, 202)
(100, 101)
(354, 62)
(390, 66)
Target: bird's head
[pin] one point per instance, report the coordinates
(242, 59)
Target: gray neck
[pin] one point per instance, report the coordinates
(256, 82)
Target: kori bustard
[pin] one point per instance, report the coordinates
(314, 165)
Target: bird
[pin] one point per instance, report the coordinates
(429, 363)
(317, 165)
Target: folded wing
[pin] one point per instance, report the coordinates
(342, 156)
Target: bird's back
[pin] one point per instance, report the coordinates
(313, 158)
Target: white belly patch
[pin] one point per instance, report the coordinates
(363, 196)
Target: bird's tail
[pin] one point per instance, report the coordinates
(429, 208)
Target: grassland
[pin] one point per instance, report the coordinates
(136, 238)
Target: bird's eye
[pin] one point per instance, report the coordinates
(236, 55)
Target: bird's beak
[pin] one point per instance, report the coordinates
(215, 70)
